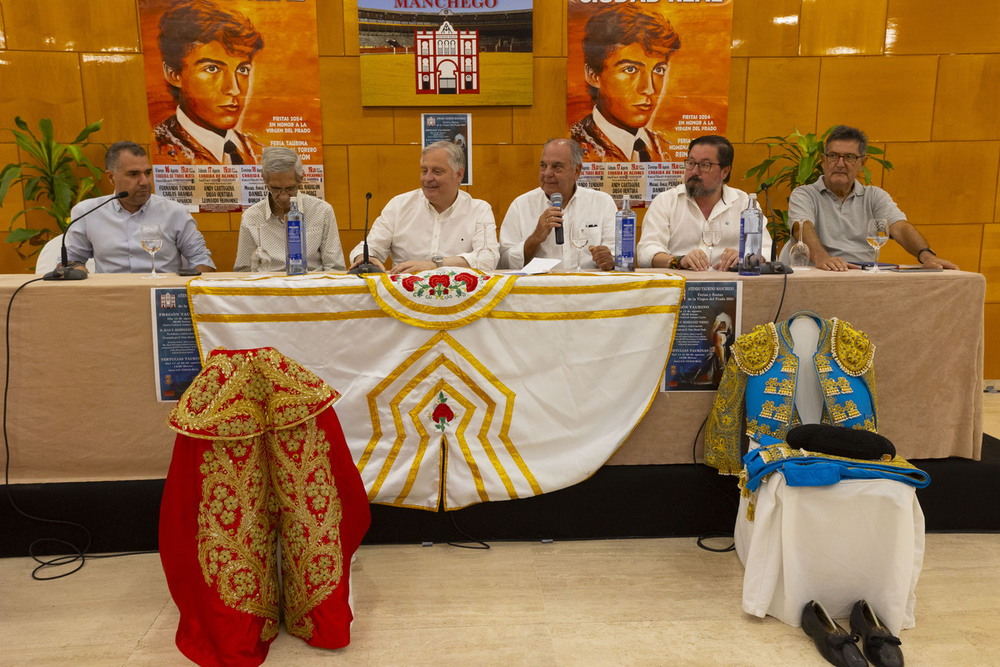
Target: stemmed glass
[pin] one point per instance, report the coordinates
(151, 238)
(486, 256)
(711, 235)
(878, 234)
(580, 239)
(259, 256)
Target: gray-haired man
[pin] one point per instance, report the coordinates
(437, 224)
(263, 224)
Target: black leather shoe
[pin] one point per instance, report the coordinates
(834, 642)
(881, 647)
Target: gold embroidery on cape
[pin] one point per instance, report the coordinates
(754, 352)
(851, 348)
(236, 394)
(722, 434)
(275, 482)
(246, 496)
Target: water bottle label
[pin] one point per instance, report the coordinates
(296, 259)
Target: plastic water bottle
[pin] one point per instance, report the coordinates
(625, 237)
(295, 244)
(751, 228)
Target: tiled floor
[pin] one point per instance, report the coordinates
(618, 602)
(632, 602)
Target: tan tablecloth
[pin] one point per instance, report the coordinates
(83, 405)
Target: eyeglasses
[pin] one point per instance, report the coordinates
(834, 158)
(287, 191)
(704, 166)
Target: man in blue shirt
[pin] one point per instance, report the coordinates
(111, 235)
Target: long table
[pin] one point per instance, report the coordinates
(81, 402)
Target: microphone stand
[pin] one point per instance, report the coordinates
(774, 246)
(64, 272)
(366, 265)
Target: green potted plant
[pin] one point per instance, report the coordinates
(799, 156)
(48, 178)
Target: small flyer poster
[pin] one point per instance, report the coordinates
(453, 127)
(175, 350)
(707, 326)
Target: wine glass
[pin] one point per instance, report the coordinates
(259, 256)
(486, 256)
(798, 254)
(580, 239)
(878, 234)
(711, 234)
(151, 238)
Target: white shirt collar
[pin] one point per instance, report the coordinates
(210, 140)
(623, 139)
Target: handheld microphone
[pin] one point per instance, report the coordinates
(366, 266)
(63, 272)
(556, 200)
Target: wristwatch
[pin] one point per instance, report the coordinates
(438, 261)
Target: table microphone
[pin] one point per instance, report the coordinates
(366, 266)
(556, 200)
(63, 272)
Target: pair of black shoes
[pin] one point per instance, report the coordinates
(838, 646)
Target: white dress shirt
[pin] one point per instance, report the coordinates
(111, 236)
(260, 225)
(674, 223)
(210, 140)
(623, 139)
(584, 207)
(410, 228)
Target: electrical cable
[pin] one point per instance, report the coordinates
(463, 545)
(76, 553)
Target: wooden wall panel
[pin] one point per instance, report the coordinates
(330, 28)
(60, 98)
(991, 356)
(223, 246)
(345, 121)
(781, 96)
(967, 98)
(737, 100)
(930, 26)
(917, 187)
(766, 34)
(336, 182)
(114, 90)
(990, 263)
(385, 171)
(503, 173)
(99, 26)
(546, 117)
(860, 91)
(847, 27)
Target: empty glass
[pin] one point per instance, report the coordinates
(151, 238)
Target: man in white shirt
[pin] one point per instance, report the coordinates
(626, 52)
(527, 229)
(263, 224)
(436, 225)
(208, 57)
(672, 231)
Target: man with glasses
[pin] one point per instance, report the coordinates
(836, 208)
(263, 224)
(672, 231)
(526, 231)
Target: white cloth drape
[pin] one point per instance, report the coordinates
(476, 389)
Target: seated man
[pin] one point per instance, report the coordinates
(263, 224)
(836, 208)
(111, 235)
(436, 225)
(526, 231)
(673, 226)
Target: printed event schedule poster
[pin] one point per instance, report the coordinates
(453, 127)
(224, 78)
(175, 350)
(708, 323)
(643, 80)
(437, 53)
